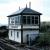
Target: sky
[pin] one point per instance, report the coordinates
(7, 7)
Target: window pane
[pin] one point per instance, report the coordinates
(28, 19)
(17, 20)
(11, 32)
(12, 20)
(32, 19)
(24, 20)
(17, 34)
(36, 17)
(36, 21)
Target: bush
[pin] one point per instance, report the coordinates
(4, 34)
(32, 41)
(44, 39)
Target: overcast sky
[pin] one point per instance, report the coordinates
(7, 7)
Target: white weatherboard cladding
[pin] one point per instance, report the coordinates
(32, 33)
(29, 26)
(14, 26)
(14, 35)
(11, 37)
(12, 19)
(18, 39)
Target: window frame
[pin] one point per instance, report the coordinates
(11, 32)
(10, 22)
(17, 34)
(24, 19)
(36, 19)
(18, 18)
(31, 20)
(27, 19)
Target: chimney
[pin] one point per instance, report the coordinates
(26, 5)
(19, 7)
(30, 5)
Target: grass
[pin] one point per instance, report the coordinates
(44, 39)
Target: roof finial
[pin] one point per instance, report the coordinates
(29, 4)
(26, 5)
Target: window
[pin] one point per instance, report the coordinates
(28, 19)
(36, 19)
(17, 34)
(32, 20)
(24, 20)
(12, 20)
(11, 32)
(17, 20)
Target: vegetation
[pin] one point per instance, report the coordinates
(3, 31)
(45, 27)
(44, 39)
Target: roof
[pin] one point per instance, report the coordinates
(25, 11)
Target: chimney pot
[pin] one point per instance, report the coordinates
(26, 5)
(29, 4)
(19, 7)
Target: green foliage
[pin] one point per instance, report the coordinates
(44, 39)
(44, 28)
(45, 35)
(4, 34)
(3, 27)
(3, 31)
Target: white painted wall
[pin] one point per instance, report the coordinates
(14, 26)
(25, 26)
(14, 36)
(30, 26)
(18, 39)
(35, 32)
(11, 37)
